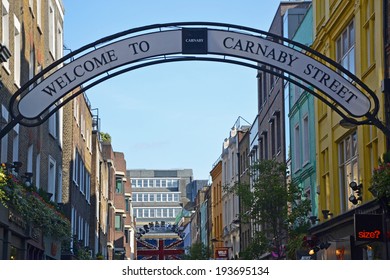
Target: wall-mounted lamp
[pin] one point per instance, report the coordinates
(326, 213)
(321, 246)
(236, 223)
(324, 245)
(5, 54)
(313, 251)
(358, 190)
(27, 179)
(347, 124)
(15, 166)
(313, 219)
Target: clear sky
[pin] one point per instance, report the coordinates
(172, 115)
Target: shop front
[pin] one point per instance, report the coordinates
(18, 240)
(359, 234)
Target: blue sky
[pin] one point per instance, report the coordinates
(173, 115)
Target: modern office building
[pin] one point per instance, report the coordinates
(158, 198)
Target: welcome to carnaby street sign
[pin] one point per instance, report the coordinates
(192, 41)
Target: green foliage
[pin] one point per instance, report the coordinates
(3, 184)
(267, 204)
(81, 252)
(380, 181)
(198, 251)
(258, 247)
(297, 221)
(278, 207)
(105, 137)
(32, 207)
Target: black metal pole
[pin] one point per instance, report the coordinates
(9, 126)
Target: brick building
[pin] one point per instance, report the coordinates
(31, 34)
(121, 226)
(77, 170)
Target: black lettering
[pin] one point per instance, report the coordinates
(352, 96)
(133, 46)
(308, 69)
(334, 85)
(238, 44)
(249, 46)
(111, 56)
(324, 79)
(343, 90)
(260, 48)
(67, 77)
(50, 90)
(292, 59)
(101, 62)
(78, 74)
(144, 46)
(225, 41)
(61, 83)
(79, 70)
(282, 57)
(91, 66)
(272, 54)
(318, 71)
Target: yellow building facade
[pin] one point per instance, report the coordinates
(216, 208)
(351, 33)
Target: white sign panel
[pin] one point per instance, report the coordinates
(313, 72)
(196, 41)
(95, 63)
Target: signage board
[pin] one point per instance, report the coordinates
(368, 227)
(193, 41)
(221, 253)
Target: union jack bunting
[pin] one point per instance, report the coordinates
(160, 249)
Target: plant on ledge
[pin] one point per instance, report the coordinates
(380, 181)
(36, 211)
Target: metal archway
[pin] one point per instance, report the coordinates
(192, 41)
